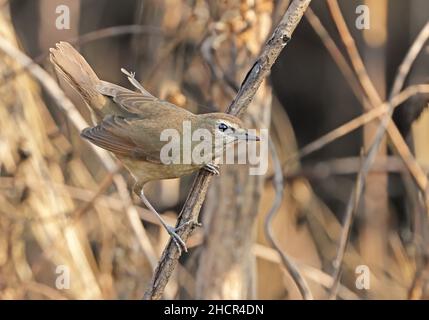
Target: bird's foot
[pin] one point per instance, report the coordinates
(212, 168)
(180, 244)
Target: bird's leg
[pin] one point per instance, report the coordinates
(212, 168)
(180, 244)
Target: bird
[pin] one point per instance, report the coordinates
(129, 124)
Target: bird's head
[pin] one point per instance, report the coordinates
(226, 127)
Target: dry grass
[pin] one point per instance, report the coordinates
(64, 203)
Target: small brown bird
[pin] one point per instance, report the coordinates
(129, 124)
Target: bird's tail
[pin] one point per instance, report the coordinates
(77, 72)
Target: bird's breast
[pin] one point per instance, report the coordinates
(144, 171)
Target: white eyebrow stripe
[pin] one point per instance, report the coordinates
(229, 124)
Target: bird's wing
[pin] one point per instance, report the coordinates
(110, 89)
(128, 137)
(137, 103)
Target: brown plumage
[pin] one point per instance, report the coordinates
(129, 124)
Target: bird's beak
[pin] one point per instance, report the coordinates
(246, 136)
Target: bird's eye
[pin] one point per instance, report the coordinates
(222, 127)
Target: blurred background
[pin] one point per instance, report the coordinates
(70, 227)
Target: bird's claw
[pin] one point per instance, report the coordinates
(212, 168)
(180, 244)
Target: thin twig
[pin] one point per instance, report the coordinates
(345, 166)
(312, 273)
(353, 53)
(288, 263)
(102, 187)
(408, 61)
(338, 57)
(250, 85)
(371, 155)
(85, 38)
(359, 121)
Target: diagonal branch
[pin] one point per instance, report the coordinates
(260, 69)
(338, 58)
(355, 123)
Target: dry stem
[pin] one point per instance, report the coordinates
(250, 85)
